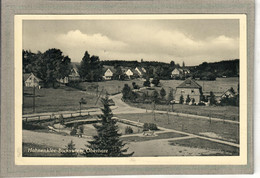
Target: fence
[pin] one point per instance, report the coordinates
(53, 116)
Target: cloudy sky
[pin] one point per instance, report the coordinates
(191, 41)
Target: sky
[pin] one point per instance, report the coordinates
(190, 41)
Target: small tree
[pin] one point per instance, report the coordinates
(107, 139)
(147, 83)
(181, 99)
(61, 119)
(188, 99)
(156, 81)
(163, 93)
(155, 96)
(212, 98)
(193, 101)
(126, 92)
(70, 150)
(170, 96)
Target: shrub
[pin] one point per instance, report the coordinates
(73, 132)
(201, 104)
(149, 126)
(193, 101)
(32, 126)
(181, 99)
(188, 99)
(128, 130)
(147, 83)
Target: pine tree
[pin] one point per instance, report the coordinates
(188, 99)
(181, 99)
(70, 150)
(170, 96)
(107, 142)
(155, 96)
(163, 93)
(212, 98)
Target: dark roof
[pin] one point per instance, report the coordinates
(105, 67)
(189, 83)
(27, 75)
(141, 70)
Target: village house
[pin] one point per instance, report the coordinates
(108, 72)
(179, 72)
(140, 71)
(73, 76)
(228, 94)
(191, 88)
(30, 80)
(128, 72)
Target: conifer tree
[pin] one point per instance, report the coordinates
(163, 93)
(107, 142)
(181, 99)
(170, 96)
(70, 150)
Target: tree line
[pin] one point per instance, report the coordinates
(48, 66)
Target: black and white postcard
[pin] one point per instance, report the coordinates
(131, 90)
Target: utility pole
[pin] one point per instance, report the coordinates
(33, 98)
(154, 111)
(168, 121)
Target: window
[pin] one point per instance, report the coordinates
(192, 91)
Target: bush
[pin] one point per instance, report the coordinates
(149, 126)
(128, 130)
(201, 104)
(32, 126)
(147, 83)
(73, 132)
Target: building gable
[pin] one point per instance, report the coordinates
(189, 83)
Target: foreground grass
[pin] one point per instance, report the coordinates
(52, 100)
(147, 138)
(205, 144)
(223, 112)
(224, 131)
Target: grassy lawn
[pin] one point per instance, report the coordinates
(111, 86)
(223, 112)
(147, 138)
(205, 144)
(223, 131)
(60, 99)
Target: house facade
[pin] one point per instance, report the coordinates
(74, 75)
(30, 80)
(188, 87)
(179, 72)
(140, 71)
(108, 74)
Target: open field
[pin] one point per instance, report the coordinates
(219, 85)
(223, 112)
(60, 99)
(115, 86)
(223, 131)
(205, 144)
(146, 138)
(110, 86)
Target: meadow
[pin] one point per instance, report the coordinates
(222, 112)
(60, 99)
(220, 85)
(228, 132)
